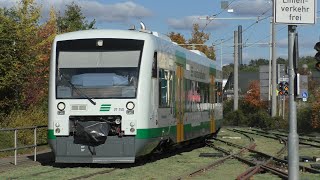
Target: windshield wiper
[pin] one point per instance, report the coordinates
(78, 91)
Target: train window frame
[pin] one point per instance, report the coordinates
(168, 77)
(154, 72)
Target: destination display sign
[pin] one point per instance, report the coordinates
(295, 11)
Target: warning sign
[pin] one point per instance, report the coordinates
(295, 11)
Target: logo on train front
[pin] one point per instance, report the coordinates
(105, 107)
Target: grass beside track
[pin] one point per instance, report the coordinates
(166, 168)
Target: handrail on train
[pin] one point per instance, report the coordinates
(16, 148)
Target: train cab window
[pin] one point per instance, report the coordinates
(154, 66)
(166, 89)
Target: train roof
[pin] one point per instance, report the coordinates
(192, 55)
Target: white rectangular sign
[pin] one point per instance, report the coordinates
(295, 11)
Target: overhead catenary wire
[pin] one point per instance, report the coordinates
(215, 15)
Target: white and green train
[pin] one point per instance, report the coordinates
(115, 95)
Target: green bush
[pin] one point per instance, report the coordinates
(280, 123)
(27, 118)
(261, 119)
(304, 119)
(235, 118)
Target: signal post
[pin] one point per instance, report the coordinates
(293, 13)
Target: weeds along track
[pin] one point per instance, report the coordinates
(240, 150)
(272, 164)
(310, 141)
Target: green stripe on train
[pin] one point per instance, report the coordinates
(51, 134)
(157, 132)
(164, 131)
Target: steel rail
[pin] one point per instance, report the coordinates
(303, 168)
(215, 163)
(220, 161)
(300, 138)
(270, 169)
(278, 134)
(254, 170)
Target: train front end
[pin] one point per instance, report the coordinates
(93, 98)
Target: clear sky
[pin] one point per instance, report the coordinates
(178, 15)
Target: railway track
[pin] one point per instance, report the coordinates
(236, 146)
(93, 169)
(220, 161)
(261, 162)
(302, 140)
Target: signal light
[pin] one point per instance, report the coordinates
(283, 88)
(317, 56)
(286, 88)
(280, 89)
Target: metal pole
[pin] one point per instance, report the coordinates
(274, 72)
(283, 107)
(35, 144)
(293, 148)
(236, 74)
(240, 44)
(221, 53)
(269, 90)
(15, 147)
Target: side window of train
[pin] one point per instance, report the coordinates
(154, 66)
(197, 96)
(166, 90)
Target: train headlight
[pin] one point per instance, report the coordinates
(100, 43)
(132, 124)
(61, 106)
(57, 124)
(118, 121)
(130, 105)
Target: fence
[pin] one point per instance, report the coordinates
(16, 148)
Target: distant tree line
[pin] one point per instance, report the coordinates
(254, 64)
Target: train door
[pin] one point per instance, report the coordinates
(212, 101)
(179, 103)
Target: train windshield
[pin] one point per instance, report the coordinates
(98, 71)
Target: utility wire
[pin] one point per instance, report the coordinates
(247, 28)
(215, 15)
(263, 38)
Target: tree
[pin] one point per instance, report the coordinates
(227, 70)
(198, 37)
(18, 50)
(252, 97)
(258, 62)
(73, 20)
(177, 38)
(315, 108)
(36, 89)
